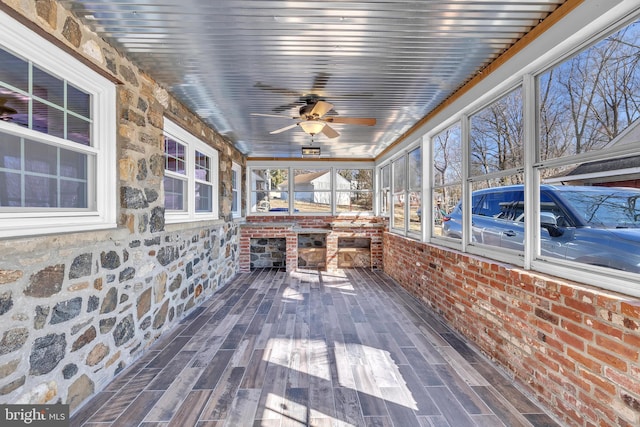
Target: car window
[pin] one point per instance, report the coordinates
(606, 208)
(494, 203)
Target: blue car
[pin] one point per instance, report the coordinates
(592, 225)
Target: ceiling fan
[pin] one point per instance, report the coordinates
(311, 118)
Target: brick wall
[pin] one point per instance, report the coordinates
(289, 227)
(574, 347)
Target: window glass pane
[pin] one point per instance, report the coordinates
(496, 136)
(14, 107)
(415, 190)
(73, 164)
(78, 130)
(175, 160)
(10, 189)
(203, 197)
(360, 181)
(40, 158)
(269, 190)
(47, 119)
(399, 195)
(174, 194)
(588, 100)
(73, 194)
(10, 157)
(312, 190)
(447, 156)
(78, 101)
(14, 71)
(445, 200)
(415, 169)
(385, 189)
(48, 87)
(40, 191)
(497, 214)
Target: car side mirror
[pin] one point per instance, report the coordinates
(549, 222)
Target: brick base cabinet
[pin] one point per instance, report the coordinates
(290, 227)
(572, 346)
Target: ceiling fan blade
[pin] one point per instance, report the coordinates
(329, 131)
(282, 91)
(321, 108)
(273, 132)
(352, 120)
(274, 115)
(320, 82)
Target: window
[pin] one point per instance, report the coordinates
(496, 153)
(57, 139)
(446, 176)
(354, 190)
(398, 212)
(269, 190)
(414, 160)
(190, 181)
(312, 190)
(385, 189)
(588, 118)
(555, 189)
(236, 190)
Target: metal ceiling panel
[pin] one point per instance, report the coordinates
(391, 60)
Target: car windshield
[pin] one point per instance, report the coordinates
(608, 208)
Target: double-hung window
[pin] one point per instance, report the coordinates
(236, 190)
(190, 176)
(57, 139)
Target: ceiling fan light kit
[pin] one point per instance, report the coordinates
(312, 121)
(312, 127)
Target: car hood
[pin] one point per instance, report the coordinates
(630, 234)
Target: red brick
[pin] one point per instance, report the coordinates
(607, 358)
(631, 308)
(581, 306)
(618, 348)
(567, 313)
(582, 359)
(606, 329)
(577, 330)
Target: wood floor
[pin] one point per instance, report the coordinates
(311, 348)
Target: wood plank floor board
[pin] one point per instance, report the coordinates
(424, 404)
(189, 412)
(167, 375)
(168, 404)
(345, 348)
(213, 371)
(451, 409)
(219, 404)
(243, 408)
(502, 408)
(423, 370)
(467, 397)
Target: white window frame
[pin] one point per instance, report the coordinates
(192, 144)
(292, 166)
(236, 191)
(103, 179)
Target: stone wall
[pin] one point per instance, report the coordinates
(77, 308)
(576, 348)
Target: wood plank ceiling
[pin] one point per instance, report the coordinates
(391, 60)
